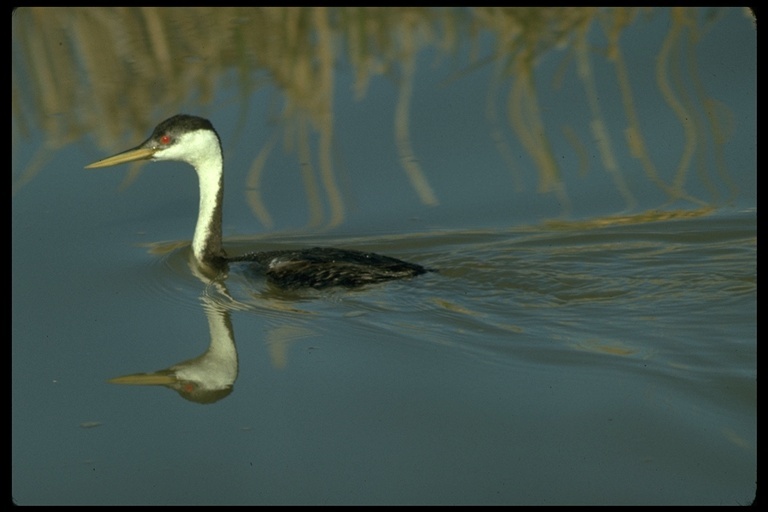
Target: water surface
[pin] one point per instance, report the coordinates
(589, 338)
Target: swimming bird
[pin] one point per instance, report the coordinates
(193, 140)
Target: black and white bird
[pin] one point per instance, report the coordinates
(193, 140)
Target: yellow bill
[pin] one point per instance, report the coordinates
(126, 156)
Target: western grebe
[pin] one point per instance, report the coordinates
(193, 140)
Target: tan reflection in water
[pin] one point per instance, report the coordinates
(137, 59)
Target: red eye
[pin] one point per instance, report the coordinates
(165, 139)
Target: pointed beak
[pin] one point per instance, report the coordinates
(139, 153)
(145, 379)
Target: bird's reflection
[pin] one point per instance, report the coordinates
(211, 376)
(204, 379)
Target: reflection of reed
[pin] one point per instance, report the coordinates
(600, 134)
(402, 135)
(559, 27)
(524, 34)
(675, 98)
(139, 58)
(623, 220)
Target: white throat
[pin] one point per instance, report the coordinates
(202, 150)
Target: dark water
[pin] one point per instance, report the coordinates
(594, 343)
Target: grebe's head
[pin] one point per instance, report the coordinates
(182, 137)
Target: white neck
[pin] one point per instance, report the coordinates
(202, 150)
(206, 244)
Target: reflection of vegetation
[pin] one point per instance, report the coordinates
(140, 58)
(621, 220)
(560, 27)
